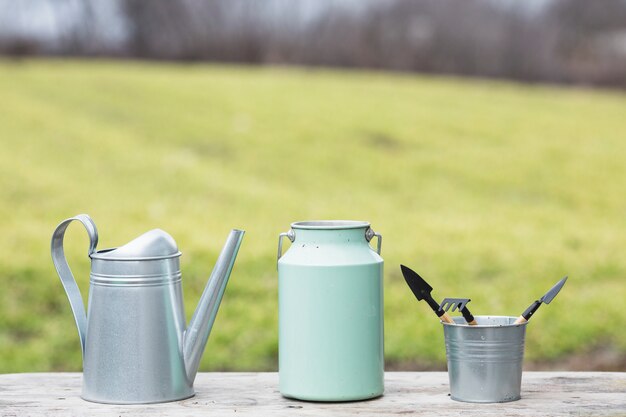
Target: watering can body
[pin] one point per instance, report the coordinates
(136, 345)
(135, 328)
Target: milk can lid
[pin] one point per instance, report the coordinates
(153, 244)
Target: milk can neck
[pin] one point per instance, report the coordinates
(330, 232)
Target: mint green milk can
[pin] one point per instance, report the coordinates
(330, 306)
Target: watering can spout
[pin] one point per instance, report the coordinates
(197, 333)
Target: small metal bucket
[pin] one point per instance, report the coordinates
(485, 361)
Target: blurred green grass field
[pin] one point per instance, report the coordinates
(490, 190)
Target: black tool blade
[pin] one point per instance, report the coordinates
(420, 288)
(549, 296)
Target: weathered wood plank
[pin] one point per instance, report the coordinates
(256, 394)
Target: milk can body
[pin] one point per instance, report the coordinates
(331, 313)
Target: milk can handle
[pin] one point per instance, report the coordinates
(63, 269)
(291, 235)
(369, 235)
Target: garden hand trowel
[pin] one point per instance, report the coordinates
(549, 296)
(422, 290)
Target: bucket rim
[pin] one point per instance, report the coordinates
(484, 326)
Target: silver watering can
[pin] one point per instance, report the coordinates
(135, 344)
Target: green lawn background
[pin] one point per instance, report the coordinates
(490, 190)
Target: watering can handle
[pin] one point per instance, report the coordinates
(369, 235)
(63, 269)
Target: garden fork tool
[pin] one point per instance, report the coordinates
(461, 305)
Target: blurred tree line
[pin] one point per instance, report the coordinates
(565, 41)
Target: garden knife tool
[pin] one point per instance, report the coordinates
(549, 296)
(422, 290)
(461, 305)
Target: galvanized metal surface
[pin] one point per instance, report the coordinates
(63, 269)
(485, 361)
(554, 394)
(331, 313)
(136, 347)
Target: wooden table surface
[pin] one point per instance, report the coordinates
(406, 393)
